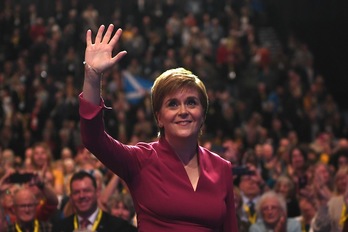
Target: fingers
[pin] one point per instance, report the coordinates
(108, 34)
(99, 36)
(106, 38)
(119, 56)
(88, 37)
(116, 37)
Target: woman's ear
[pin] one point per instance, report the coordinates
(158, 119)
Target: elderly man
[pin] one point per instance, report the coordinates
(272, 209)
(25, 207)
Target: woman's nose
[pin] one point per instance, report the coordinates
(182, 109)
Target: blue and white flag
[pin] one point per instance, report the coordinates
(135, 87)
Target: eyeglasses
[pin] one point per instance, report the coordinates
(269, 208)
(24, 206)
(8, 192)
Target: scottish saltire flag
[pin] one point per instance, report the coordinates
(135, 87)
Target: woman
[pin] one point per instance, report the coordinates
(340, 181)
(41, 159)
(272, 209)
(176, 184)
(121, 205)
(297, 168)
(285, 186)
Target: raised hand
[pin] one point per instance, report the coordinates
(99, 58)
(98, 55)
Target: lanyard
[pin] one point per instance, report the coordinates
(251, 218)
(344, 215)
(303, 225)
(95, 224)
(36, 226)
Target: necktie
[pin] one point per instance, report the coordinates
(84, 223)
(251, 208)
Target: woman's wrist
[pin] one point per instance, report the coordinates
(92, 69)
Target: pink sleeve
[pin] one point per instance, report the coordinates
(116, 156)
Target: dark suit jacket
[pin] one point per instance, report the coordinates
(108, 223)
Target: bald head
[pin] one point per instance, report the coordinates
(24, 193)
(25, 204)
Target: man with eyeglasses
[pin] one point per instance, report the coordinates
(25, 207)
(272, 208)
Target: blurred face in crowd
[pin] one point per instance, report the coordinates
(120, 210)
(322, 171)
(271, 211)
(267, 151)
(84, 196)
(40, 156)
(342, 162)
(341, 181)
(283, 188)
(7, 200)
(249, 186)
(25, 205)
(297, 159)
(83, 156)
(307, 209)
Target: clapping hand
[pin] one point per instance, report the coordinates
(281, 225)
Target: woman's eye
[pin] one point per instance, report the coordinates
(191, 102)
(172, 104)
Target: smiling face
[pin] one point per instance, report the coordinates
(171, 84)
(25, 206)
(84, 196)
(181, 114)
(120, 210)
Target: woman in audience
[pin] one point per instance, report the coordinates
(285, 186)
(272, 209)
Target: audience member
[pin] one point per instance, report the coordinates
(42, 159)
(84, 199)
(251, 189)
(121, 205)
(285, 187)
(272, 210)
(25, 206)
(340, 181)
(308, 210)
(297, 168)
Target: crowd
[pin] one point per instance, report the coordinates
(269, 109)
